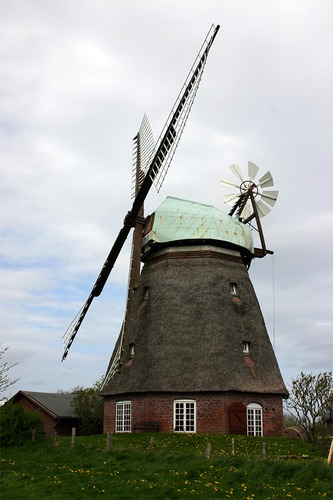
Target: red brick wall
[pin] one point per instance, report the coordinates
(272, 410)
(49, 422)
(211, 414)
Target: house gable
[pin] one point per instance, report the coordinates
(56, 410)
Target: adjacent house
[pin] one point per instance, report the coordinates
(58, 414)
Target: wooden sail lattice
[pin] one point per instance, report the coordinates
(159, 163)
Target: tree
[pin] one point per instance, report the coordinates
(5, 381)
(89, 407)
(289, 420)
(17, 424)
(310, 399)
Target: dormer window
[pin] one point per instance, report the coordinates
(246, 347)
(233, 288)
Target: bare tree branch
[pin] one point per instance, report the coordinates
(5, 381)
(310, 397)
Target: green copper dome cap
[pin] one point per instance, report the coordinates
(176, 219)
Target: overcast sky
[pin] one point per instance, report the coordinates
(76, 78)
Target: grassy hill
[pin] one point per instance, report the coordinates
(172, 466)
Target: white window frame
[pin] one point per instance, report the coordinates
(246, 346)
(254, 422)
(233, 288)
(123, 416)
(185, 415)
(132, 350)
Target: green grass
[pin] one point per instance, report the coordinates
(175, 468)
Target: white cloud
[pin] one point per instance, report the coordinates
(76, 79)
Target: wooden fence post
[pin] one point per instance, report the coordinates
(73, 436)
(329, 459)
(108, 441)
(151, 442)
(208, 450)
(232, 446)
(264, 450)
(56, 440)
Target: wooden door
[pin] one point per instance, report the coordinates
(237, 418)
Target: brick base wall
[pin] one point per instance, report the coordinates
(211, 410)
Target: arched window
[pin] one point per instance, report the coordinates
(254, 419)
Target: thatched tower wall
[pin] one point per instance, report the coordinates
(187, 328)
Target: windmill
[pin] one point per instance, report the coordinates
(152, 167)
(196, 355)
(193, 353)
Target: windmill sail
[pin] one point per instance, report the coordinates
(143, 145)
(143, 149)
(158, 167)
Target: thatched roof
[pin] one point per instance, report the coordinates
(187, 328)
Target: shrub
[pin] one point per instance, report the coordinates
(89, 407)
(17, 424)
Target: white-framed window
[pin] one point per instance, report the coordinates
(233, 288)
(254, 419)
(246, 347)
(131, 350)
(123, 416)
(184, 415)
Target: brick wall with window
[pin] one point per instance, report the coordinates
(272, 410)
(211, 410)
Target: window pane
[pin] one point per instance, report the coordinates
(254, 421)
(123, 417)
(184, 416)
(246, 346)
